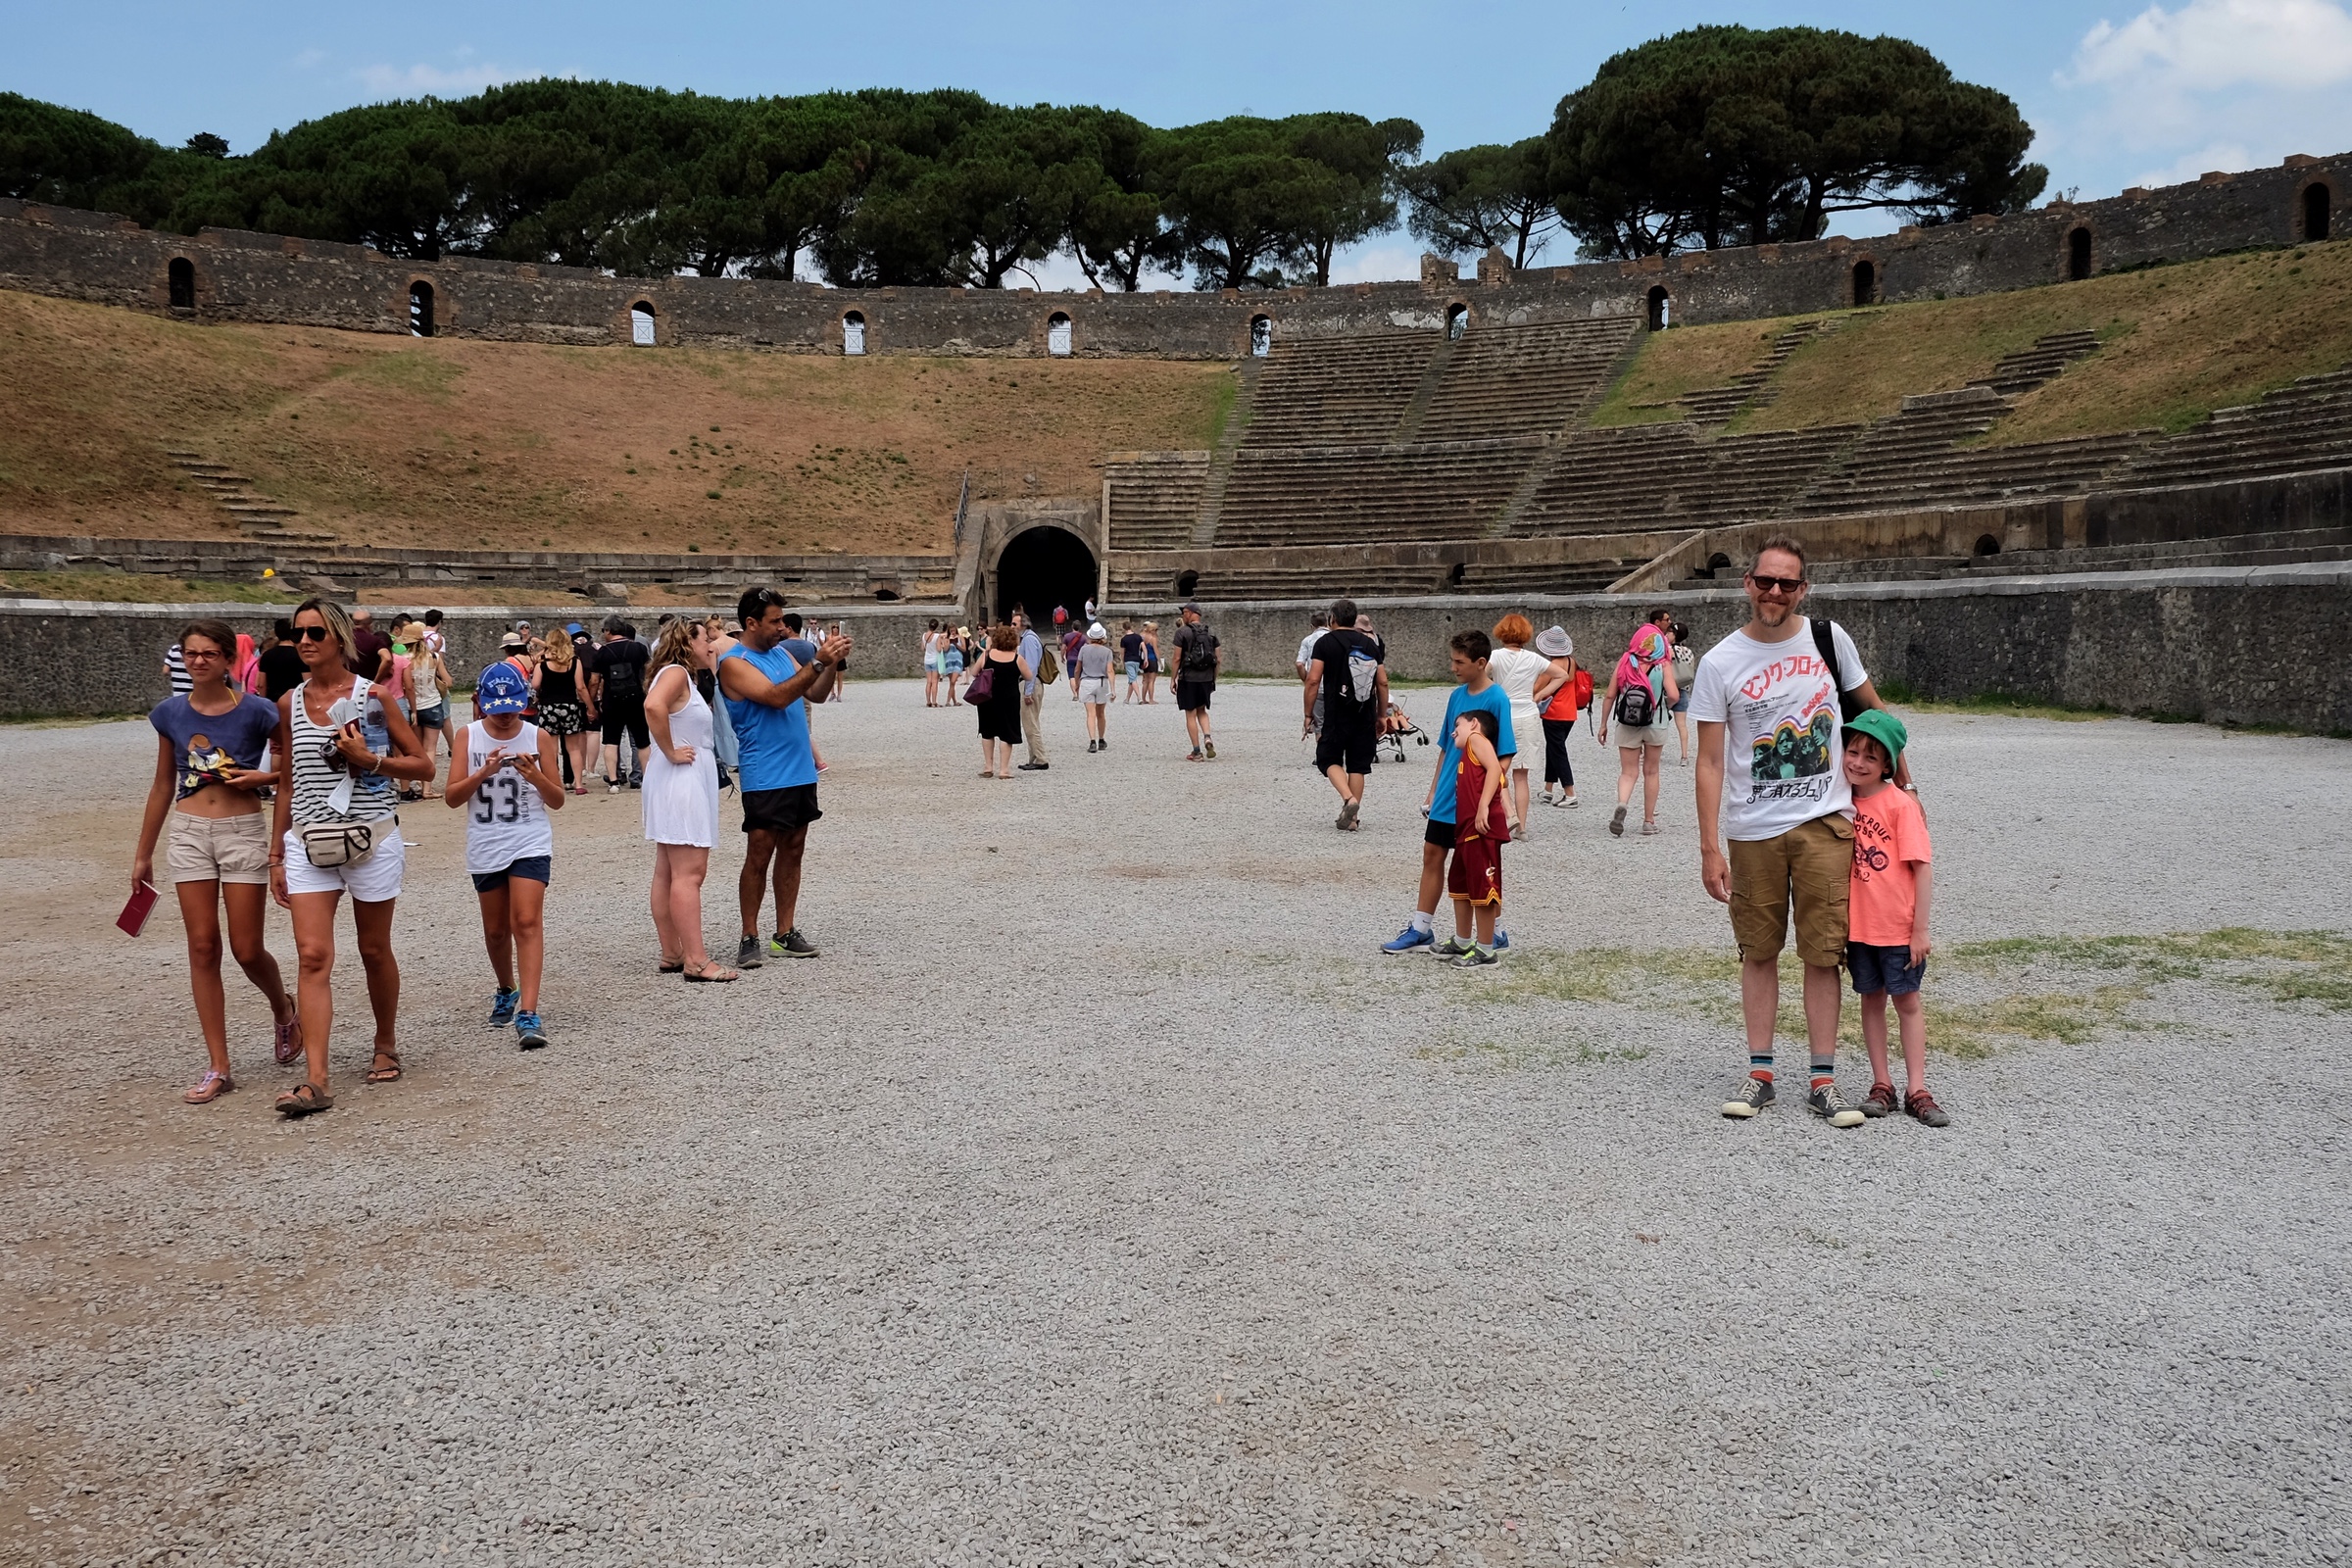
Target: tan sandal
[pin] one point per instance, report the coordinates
(713, 974)
(210, 1087)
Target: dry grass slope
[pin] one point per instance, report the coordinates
(455, 444)
(2176, 343)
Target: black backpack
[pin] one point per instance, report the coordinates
(1636, 704)
(1200, 652)
(1826, 644)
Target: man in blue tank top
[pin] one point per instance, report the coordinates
(763, 685)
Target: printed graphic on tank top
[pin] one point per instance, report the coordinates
(506, 820)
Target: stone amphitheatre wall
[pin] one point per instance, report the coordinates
(240, 277)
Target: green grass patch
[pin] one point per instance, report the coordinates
(138, 588)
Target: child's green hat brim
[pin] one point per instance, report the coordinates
(1885, 728)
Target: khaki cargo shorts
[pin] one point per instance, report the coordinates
(1811, 867)
(219, 849)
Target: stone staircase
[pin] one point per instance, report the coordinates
(1524, 380)
(1715, 405)
(1336, 391)
(2028, 369)
(255, 514)
(1891, 450)
(1154, 498)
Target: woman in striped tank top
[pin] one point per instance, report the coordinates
(341, 746)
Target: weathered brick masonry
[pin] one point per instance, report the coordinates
(240, 276)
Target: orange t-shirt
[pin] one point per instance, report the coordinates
(1890, 837)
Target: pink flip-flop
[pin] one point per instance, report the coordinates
(289, 1041)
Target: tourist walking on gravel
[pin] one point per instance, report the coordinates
(1131, 661)
(1562, 690)
(953, 659)
(1887, 899)
(1346, 691)
(1199, 657)
(934, 644)
(1073, 641)
(1005, 673)
(428, 689)
(1641, 690)
(1467, 653)
(1318, 625)
(1151, 662)
(1036, 677)
(1769, 695)
(617, 690)
(1516, 667)
(505, 775)
(1685, 676)
(341, 744)
(209, 744)
(681, 798)
(1095, 685)
(764, 688)
(564, 711)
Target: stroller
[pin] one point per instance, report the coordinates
(1394, 727)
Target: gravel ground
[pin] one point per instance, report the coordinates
(1101, 1195)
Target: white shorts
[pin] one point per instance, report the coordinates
(1094, 691)
(371, 881)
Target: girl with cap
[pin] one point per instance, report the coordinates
(1561, 692)
(1642, 688)
(504, 774)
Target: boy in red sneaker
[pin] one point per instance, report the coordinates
(1893, 879)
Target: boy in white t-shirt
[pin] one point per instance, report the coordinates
(1770, 694)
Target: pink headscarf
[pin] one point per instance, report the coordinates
(247, 670)
(1643, 655)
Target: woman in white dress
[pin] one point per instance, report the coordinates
(681, 798)
(1516, 667)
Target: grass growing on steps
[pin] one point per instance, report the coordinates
(2175, 343)
(134, 588)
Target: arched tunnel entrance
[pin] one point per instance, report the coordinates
(1042, 567)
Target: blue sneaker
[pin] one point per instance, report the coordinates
(1407, 939)
(502, 1009)
(1502, 939)
(527, 1032)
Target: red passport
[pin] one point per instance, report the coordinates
(133, 918)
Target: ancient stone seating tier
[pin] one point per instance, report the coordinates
(1346, 495)
(1523, 381)
(1130, 584)
(2029, 369)
(1610, 481)
(2304, 425)
(1715, 405)
(2284, 548)
(1890, 450)
(1967, 475)
(1155, 499)
(1338, 391)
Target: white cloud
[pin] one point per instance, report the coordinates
(2213, 44)
(1374, 263)
(465, 76)
(2224, 154)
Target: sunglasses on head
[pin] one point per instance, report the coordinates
(312, 634)
(1775, 585)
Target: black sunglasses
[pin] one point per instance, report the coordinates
(312, 634)
(1768, 585)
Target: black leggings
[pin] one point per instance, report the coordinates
(1555, 753)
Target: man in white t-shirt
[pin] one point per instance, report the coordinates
(1768, 692)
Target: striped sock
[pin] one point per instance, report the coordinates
(1760, 1067)
(1825, 1070)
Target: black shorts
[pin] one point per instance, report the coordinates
(784, 811)
(1439, 833)
(1352, 745)
(626, 712)
(1194, 694)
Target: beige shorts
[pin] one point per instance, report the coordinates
(1629, 739)
(219, 849)
(1807, 870)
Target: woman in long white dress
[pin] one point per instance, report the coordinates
(681, 799)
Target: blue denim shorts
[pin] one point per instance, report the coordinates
(1888, 970)
(531, 868)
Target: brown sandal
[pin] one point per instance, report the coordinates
(303, 1100)
(384, 1069)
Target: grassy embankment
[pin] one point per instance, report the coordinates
(2176, 342)
(455, 444)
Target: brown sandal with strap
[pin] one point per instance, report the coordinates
(303, 1100)
(385, 1068)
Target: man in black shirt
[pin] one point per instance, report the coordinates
(616, 685)
(281, 662)
(1350, 672)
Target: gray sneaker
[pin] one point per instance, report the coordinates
(1754, 1095)
(1477, 958)
(747, 954)
(1451, 948)
(791, 945)
(1828, 1104)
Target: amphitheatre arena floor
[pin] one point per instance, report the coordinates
(1103, 1196)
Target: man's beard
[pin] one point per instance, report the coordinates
(1773, 612)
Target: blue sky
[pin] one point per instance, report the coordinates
(2120, 94)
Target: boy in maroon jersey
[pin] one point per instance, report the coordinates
(1482, 819)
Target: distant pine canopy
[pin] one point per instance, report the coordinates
(1713, 136)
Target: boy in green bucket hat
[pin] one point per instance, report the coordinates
(1893, 880)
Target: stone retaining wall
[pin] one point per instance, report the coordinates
(2198, 644)
(241, 276)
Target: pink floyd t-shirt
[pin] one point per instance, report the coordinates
(1780, 762)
